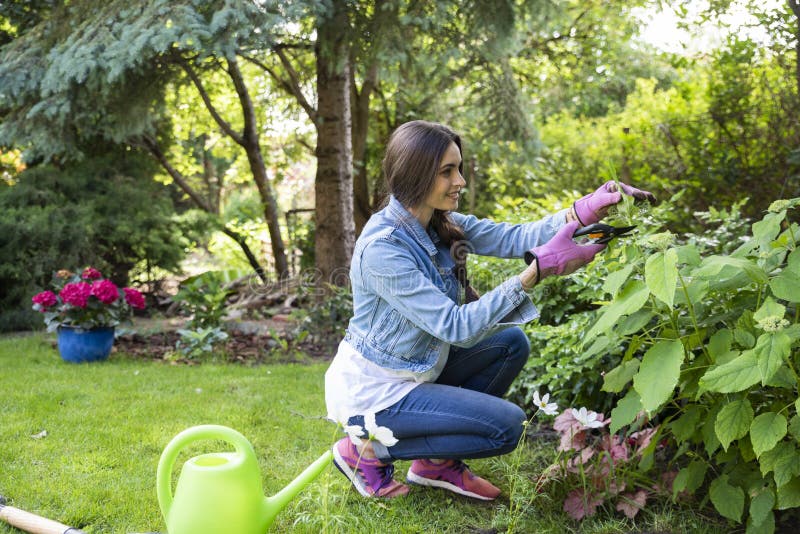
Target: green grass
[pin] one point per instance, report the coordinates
(108, 422)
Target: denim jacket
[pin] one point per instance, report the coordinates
(406, 295)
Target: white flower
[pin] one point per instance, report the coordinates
(378, 433)
(773, 323)
(586, 418)
(354, 432)
(543, 405)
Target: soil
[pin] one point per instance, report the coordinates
(249, 342)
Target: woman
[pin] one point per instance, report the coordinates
(431, 368)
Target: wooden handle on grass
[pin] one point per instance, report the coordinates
(33, 523)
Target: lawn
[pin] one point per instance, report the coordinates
(80, 443)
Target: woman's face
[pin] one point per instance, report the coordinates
(448, 184)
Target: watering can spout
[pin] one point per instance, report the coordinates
(273, 505)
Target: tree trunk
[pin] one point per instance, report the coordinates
(362, 207)
(155, 152)
(250, 143)
(333, 191)
(795, 5)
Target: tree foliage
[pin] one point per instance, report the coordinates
(106, 212)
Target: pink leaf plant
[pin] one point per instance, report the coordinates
(601, 462)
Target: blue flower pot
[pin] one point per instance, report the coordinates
(76, 345)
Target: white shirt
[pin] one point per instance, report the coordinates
(356, 386)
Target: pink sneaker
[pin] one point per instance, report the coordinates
(453, 475)
(370, 476)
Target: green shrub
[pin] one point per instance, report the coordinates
(106, 212)
(710, 353)
(203, 298)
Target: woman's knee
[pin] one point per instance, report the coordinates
(519, 341)
(512, 422)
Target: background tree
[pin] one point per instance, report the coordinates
(101, 72)
(103, 211)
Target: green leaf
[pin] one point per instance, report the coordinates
(626, 410)
(794, 427)
(661, 275)
(689, 478)
(767, 229)
(767, 526)
(615, 279)
(727, 267)
(736, 375)
(630, 299)
(710, 439)
(770, 351)
(616, 379)
(719, 347)
(658, 373)
(688, 254)
(766, 431)
(733, 421)
(782, 460)
(761, 505)
(685, 426)
(789, 495)
(768, 309)
(634, 322)
(786, 286)
(727, 499)
(783, 378)
(793, 261)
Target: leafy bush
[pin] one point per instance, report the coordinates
(106, 212)
(323, 321)
(203, 298)
(568, 307)
(199, 342)
(710, 351)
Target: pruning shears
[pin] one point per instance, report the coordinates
(599, 233)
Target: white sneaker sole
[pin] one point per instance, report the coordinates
(422, 481)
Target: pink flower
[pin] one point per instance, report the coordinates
(76, 294)
(134, 298)
(45, 299)
(105, 290)
(90, 273)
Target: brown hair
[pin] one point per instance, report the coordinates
(411, 165)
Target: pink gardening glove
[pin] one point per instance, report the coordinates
(562, 255)
(594, 206)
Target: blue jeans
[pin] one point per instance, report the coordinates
(461, 415)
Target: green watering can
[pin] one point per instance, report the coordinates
(221, 492)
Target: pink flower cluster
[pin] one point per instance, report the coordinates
(90, 273)
(76, 294)
(86, 300)
(134, 298)
(105, 291)
(45, 299)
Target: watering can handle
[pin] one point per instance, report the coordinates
(188, 436)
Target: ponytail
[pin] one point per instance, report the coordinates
(453, 236)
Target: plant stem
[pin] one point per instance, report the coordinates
(690, 306)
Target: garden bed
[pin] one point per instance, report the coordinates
(249, 342)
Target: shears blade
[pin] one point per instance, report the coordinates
(600, 233)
